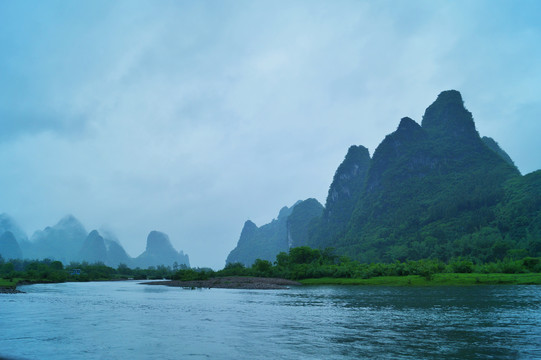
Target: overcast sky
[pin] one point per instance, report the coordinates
(190, 117)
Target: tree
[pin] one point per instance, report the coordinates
(303, 255)
(57, 266)
(262, 267)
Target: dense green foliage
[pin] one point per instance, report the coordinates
(438, 191)
(445, 279)
(307, 263)
(298, 264)
(44, 271)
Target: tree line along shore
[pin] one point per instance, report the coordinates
(303, 264)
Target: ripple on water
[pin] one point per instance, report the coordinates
(124, 319)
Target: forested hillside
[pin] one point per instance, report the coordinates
(431, 190)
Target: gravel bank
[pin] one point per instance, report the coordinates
(231, 282)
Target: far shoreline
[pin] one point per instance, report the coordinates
(231, 282)
(439, 279)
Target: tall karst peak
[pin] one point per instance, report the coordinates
(448, 118)
(70, 222)
(408, 125)
(285, 212)
(348, 179)
(93, 249)
(68, 219)
(266, 241)
(94, 234)
(407, 136)
(158, 241)
(160, 251)
(8, 224)
(248, 228)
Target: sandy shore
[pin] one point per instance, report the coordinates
(232, 282)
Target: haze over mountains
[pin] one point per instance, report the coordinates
(435, 190)
(431, 190)
(68, 241)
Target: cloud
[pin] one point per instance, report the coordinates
(190, 118)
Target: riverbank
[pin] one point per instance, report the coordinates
(231, 282)
(8, 287)
(443, 279)
(10, 290)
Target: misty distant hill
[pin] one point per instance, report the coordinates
(59, 242)
(68, 241)
(159, 251)
(8, 224)
(9, 247)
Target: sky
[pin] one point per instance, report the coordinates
(191, 117)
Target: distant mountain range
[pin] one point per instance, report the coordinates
(434, 190)
(68, 241)
(289, 229)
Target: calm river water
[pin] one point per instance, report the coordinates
(125, 320)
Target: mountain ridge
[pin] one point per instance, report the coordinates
(431, 190)
(68, 241)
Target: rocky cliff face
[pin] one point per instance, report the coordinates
(9, 248)
(347, 183)
(261, 242)
(159, 251)
(300, 221)
(267, 241)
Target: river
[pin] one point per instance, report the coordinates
(126, 320)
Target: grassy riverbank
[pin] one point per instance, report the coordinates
(445, 279)
(5, 283)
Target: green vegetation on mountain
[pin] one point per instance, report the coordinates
(438, 191)
(344, 192)
(494, 146)
(431, 191)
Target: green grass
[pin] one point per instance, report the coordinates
(437, 280)
(7, 283)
